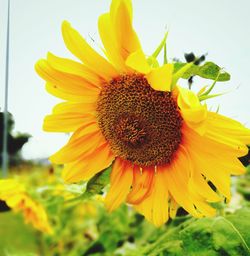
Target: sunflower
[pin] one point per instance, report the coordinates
(165, 146)
(15, 196)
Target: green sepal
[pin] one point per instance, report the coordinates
(152, 62)
(160, 46)
(165, 60)
(206, 97)
(211, 87)
(217, 109)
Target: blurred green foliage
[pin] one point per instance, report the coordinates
(243, 185)
(16, 238)
(83, 227)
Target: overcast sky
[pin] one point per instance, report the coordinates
(219, 27)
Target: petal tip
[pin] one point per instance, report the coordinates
(65, 24)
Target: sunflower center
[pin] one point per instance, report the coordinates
(131, 131)
(142, 125)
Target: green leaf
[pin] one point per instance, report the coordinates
(227, 235)
(218, 236)
(209, 70)
(94, 186)
(97, 183)
(111, 229)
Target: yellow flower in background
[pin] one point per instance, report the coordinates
(165, 145)
(15, 196)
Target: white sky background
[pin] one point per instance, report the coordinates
(219, 27)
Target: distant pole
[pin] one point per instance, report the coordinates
(5, 157)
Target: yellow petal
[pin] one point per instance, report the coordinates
(33, 212)
(225, 154)
(142, 180)
(187, 98)
(138, 62)
(160, 78)
(199, 185)
(73, 67)
(67, 82)
(87, 166)
(155, 206)
(120, 183)
(229, 127)
(90, 126)
(233, 165)
(81, 49)
(213, 146)
(211, 169)
(194, 114)
(115, 5)
(10, 185)
(73, 96)
(196, 119)
(177, 176)
(109, 41)
(232, 140)
(173, 207)
(77, 148)
(121, 18)
(225, 122)
(72, 107)
(65, 122)
(224, 139)
(14, 200)
(204, 208)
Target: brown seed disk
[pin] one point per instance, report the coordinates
(141, 124)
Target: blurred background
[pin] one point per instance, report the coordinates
(217, 29)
